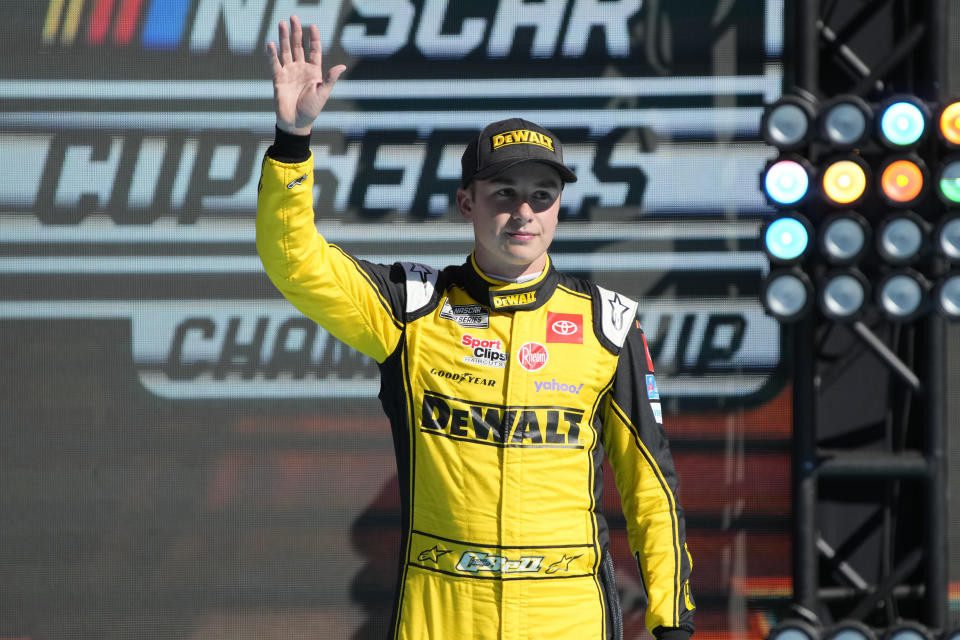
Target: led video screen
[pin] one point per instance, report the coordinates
(184, 455)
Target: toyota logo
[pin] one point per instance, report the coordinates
(565, 327)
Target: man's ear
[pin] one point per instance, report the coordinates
(465, 204)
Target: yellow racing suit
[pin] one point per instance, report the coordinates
(503, 400)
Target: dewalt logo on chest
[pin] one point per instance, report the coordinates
(501, 426)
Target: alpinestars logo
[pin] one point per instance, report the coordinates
(433, 554)
(421, 269)
(298, 181)
(617, 311)
(563, 564)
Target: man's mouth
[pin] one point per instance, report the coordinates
(521, 235)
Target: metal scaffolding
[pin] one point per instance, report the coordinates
(869, 499)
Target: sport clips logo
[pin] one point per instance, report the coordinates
(486, 353)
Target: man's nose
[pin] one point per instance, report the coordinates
(523, 212)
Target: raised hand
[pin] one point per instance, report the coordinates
(300, 88)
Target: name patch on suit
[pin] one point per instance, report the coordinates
(472, 560)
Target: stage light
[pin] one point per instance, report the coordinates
(844, 181)
(787, 294)
(903, 121)
(794, 629)
(900, 237)
(843, 295)
(845, 121)
(950, 124)
(902, 180)
(946, 295)
(850, 630)
(843, 237)
(906, 630)
(786, 123)
(902, 295)
(786, 239)
(786, 182)
(948, 182)
(947, 237)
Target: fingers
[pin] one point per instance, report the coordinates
(316, 49)
(274, 61)
(284, 33)
(296, 38)
(291, 47)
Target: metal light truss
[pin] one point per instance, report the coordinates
(870, 49)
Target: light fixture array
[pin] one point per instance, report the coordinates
(857, 224)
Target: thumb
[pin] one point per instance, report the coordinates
(333, 74)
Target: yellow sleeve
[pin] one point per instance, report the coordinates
(639, 454)
(354, 300)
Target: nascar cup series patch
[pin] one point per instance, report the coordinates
(473, 316)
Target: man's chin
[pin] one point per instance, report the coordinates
(523, 258)
(523, 247)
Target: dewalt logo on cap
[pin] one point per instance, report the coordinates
(521, 136)
(506, 143)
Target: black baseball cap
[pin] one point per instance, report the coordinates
(506, 143)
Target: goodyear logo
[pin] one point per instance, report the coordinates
(500, 426)
(464, 377)
(514, 299)
(521, 136)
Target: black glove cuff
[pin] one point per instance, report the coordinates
(671, 633)
(289, 148)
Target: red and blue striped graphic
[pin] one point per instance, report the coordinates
(116, 22)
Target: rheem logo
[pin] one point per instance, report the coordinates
(533, 356)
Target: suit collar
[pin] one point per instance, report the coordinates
(509, 296)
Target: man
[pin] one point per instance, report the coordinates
(505, 383)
